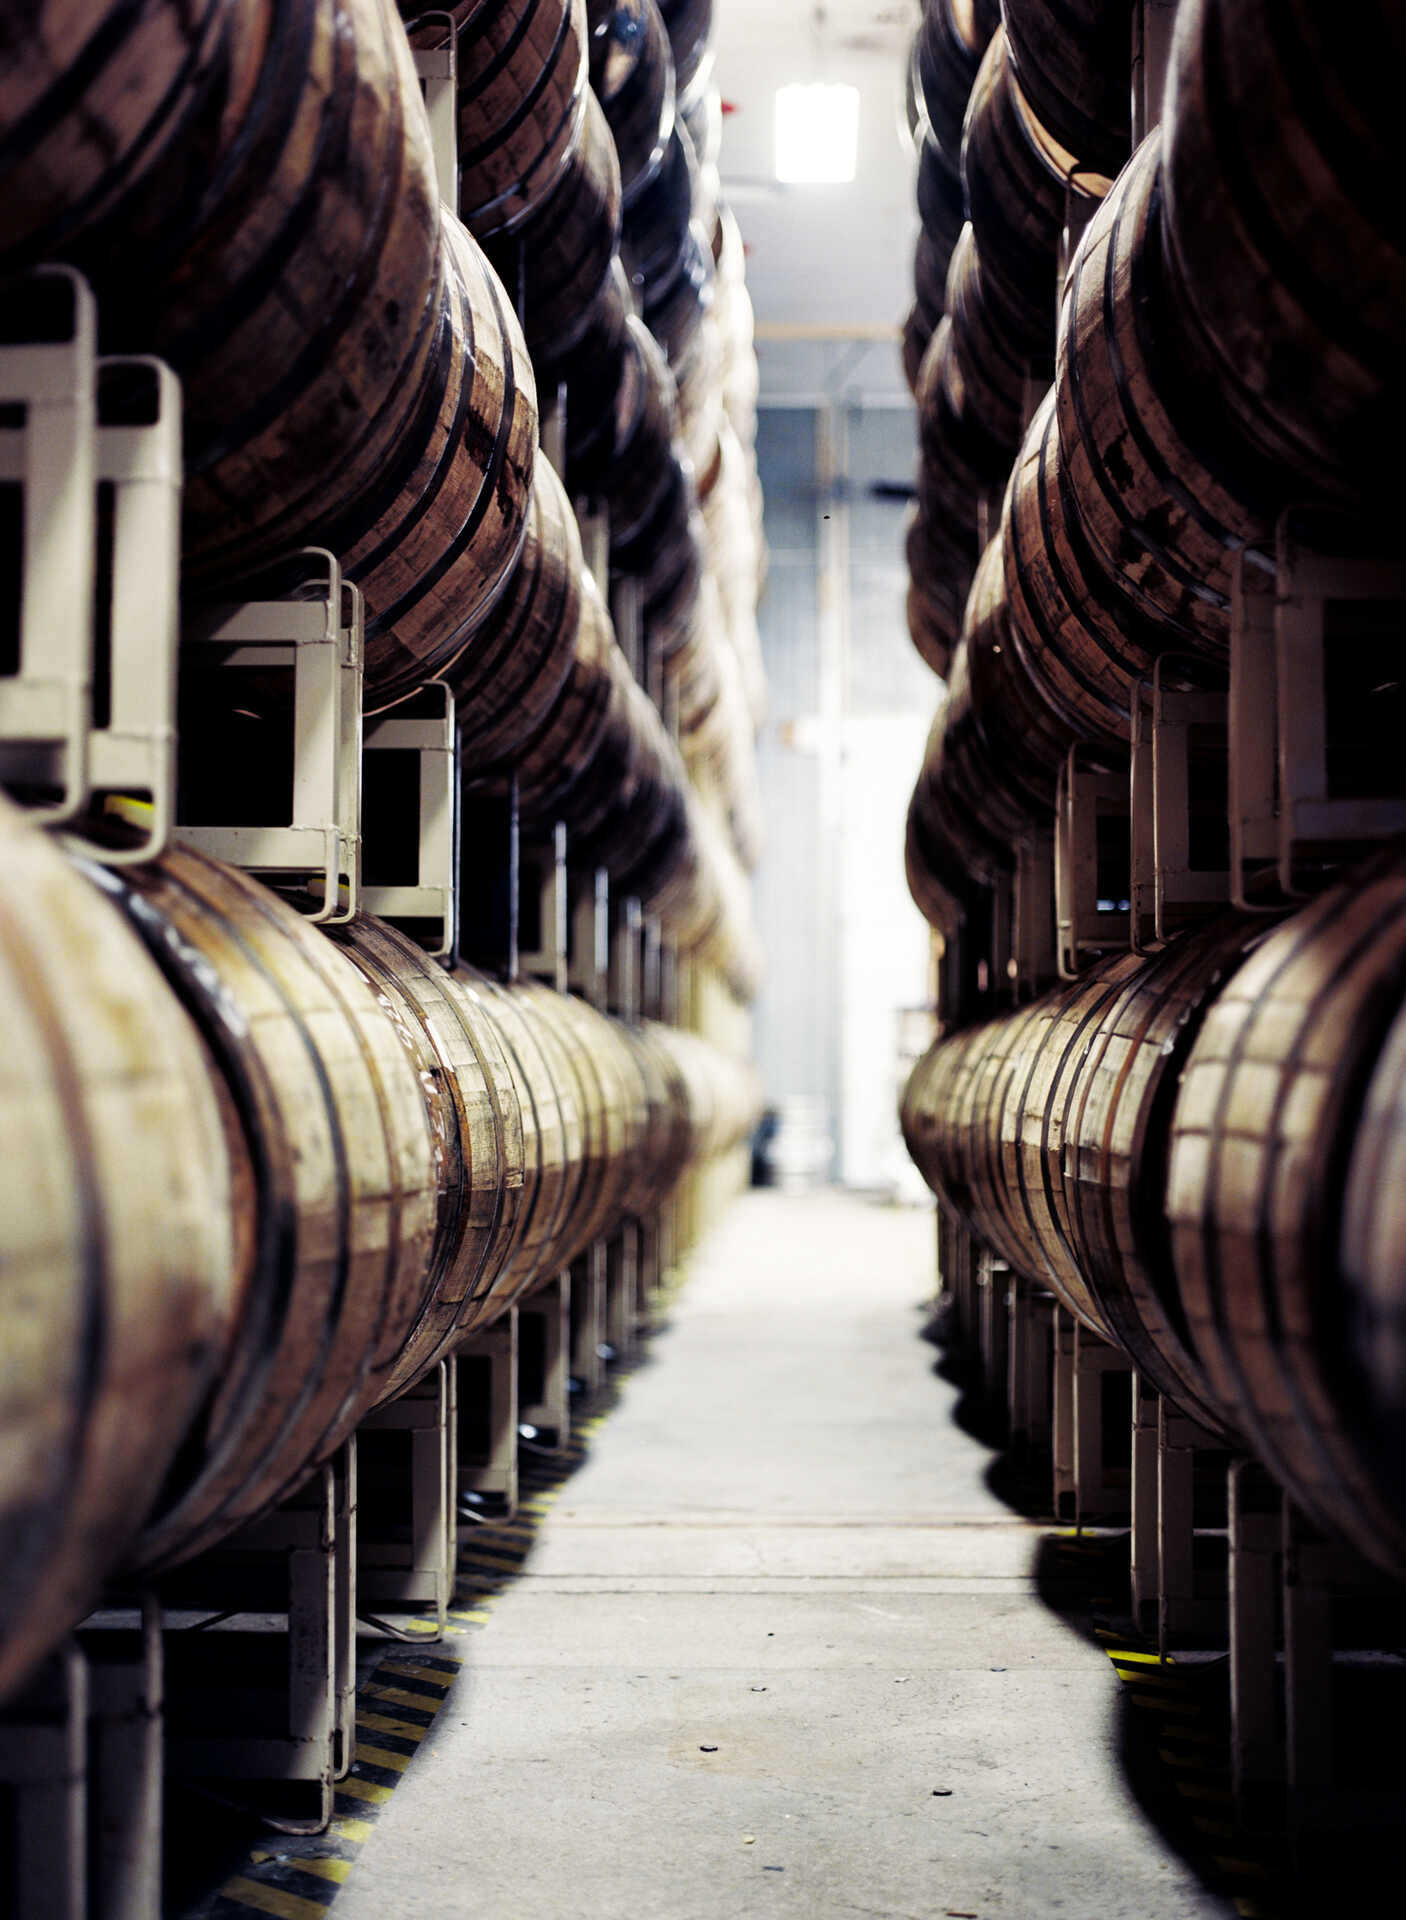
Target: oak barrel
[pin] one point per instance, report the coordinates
(1266, 1120)
(345, 1178)
(953, 37)
(507, 678)
(522, 85)
(1014, 201)
(1285, 234)
(1073, 61)
(632, 74)
(555, 265)
(123, 1179)
(1138, 442)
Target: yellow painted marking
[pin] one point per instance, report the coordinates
(288, 1906)
(1248, 1910)
(434, 1675)
(398, 1697)
(325, 1866)
(382, 1723)
(364, 1790)
(382, 1757)
(475, 1614)
(345, 1827)
(1142, 1659)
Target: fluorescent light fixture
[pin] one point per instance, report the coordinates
(817, 133)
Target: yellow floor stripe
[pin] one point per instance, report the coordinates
(367, 1790)
(475, 1614)
(382, 1757)
(382, 1723)
(288, 1906)
(325, 1866)
(436, 1676)
(398, 1696)
(345, 1827)
(1139, 1659)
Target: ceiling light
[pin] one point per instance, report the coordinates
(817, 133)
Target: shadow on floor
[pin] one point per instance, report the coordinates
(1173, 1718)
(224, 1861)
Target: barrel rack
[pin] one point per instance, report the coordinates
(1226, 793)
(239, 1668)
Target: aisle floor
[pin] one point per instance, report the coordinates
(778, 1649)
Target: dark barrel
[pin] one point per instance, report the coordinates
(1073, 61)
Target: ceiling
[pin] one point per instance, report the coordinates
(829, 267)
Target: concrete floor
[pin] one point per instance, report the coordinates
(776, 1610)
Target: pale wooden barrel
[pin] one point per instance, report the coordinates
(632, 73)
(459, 1068)
(1138, 440)
(555, 1173)
(1073, 60)
(522, 85)
(1286, 240)
(1115, 1099)
(345, 1176)
(515, 666)
(555, 266)
(1270, 1106)
(123, 1183)
(953, 37)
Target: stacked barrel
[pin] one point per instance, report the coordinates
(261, 1178)
(1190, 1145)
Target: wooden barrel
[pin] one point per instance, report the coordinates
(668, 554)
(1073, 59)
(981, 815)
(623, 1111)
(1111, 1124)
(690, 25)
(460, 1065)
(666, 252)
(557, 262)
(1285, 233)
(433, 547)
(563, 747)
(702, 116)
(917, 332)
(1083, 642)
(1266, 1119)
(522, 100)
(940, 203)
(951, 41)
(630, 463)
(554, 1133)
(193, 163)
(964, 462)
(632, 74)
(699, 392)
(1014, 201)
(1137, 439)
(123, 1185)
(345, 1180)
(995, 351)
(1371, 1263)
(1019, 741)
(514, 668)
